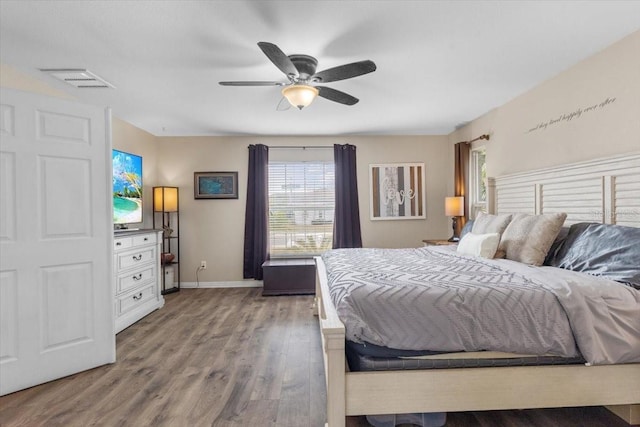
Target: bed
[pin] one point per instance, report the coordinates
(605, 191)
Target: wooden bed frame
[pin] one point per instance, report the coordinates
(606, 190)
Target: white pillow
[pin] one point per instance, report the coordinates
(482, 245)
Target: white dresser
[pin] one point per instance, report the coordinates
(136, 264)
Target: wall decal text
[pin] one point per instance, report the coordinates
(574, 115)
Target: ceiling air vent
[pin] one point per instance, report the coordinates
(80, 78)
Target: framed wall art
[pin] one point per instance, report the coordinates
(397, 191)
(215, 185)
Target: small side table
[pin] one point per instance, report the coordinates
(436, 242)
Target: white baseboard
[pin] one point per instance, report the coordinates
(235, 284)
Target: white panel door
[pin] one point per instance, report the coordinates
(56, 296)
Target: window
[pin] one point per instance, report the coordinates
(301, 208)
(478, 182)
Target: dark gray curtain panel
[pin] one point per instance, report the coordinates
(346, 225)
(256, 215)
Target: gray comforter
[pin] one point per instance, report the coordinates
(436, 299)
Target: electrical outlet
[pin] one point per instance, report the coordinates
(203, 265)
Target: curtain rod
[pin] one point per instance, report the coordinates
(302, 147)
(485, 136)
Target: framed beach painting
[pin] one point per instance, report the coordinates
(215, 185)
(397, 191)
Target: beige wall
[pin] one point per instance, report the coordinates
(10, 77)
(213, 230)
(605, 130)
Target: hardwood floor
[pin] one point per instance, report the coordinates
(224, 357)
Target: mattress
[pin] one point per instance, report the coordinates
(369, 357)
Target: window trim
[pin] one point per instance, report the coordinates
(475, 175)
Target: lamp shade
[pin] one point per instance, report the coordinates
(165, 199)
(300, 96)
(454, 206)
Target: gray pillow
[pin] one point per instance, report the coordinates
(466, 229)
(555, 246)
(610, 251)
(527, 238)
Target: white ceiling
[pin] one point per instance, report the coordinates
(440, 63)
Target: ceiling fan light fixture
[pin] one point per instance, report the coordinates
(300, 96)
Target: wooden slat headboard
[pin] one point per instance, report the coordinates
(604, 190)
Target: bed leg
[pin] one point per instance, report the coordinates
(629, 413)
(335, 371)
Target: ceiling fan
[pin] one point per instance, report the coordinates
(302, 85)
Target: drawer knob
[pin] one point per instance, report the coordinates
(137, 276)
(137, 257)
(118, 243)
(137, 297)
(146, 238)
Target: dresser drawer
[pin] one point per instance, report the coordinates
(132, 300)
(122, 243)
(135, 278)
(135, 258)
(143, 239)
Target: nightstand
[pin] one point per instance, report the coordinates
(436, 242)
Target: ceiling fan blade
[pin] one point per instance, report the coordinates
(336, 95)
(343, 72)
(250, 83)
(279, 58)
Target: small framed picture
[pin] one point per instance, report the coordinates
(215, 185)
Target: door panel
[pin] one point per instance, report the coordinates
(55, 127)
(8, 316)
(66, 305)
(8, 197)
(65, 197)
(56, 239)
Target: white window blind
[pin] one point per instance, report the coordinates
(301, 208)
